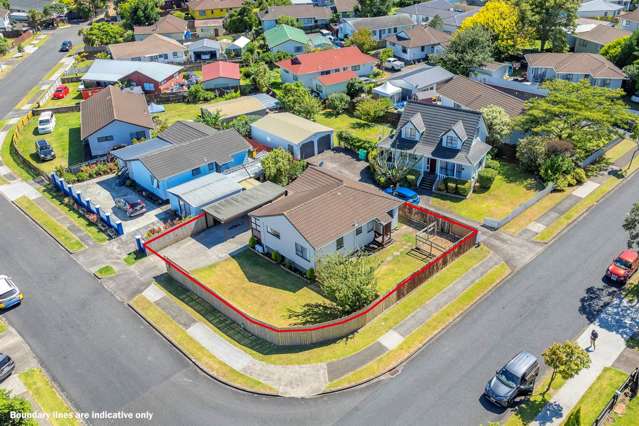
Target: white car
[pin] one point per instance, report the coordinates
(46, 122)
(394, 64)
(10, 294)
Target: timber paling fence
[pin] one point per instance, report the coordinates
(632, 383)
(329, 330)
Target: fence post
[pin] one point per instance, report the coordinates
(97, 211)
(78, 195)
(107, 218)
(139, 245)
(88, 205)
(119, 228)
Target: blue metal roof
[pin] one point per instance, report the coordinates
(268, 101)
(206, 189)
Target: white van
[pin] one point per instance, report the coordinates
(46, 122)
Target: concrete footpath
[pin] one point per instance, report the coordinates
(615, 325)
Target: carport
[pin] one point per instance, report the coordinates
(239, 205)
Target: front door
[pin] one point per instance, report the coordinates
(432, 167)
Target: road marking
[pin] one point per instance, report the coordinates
(153, 293)
(585, 189)
(391, 340)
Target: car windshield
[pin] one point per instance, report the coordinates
(4, 360)
(43, 122)
(8, 293)
(507, 378)
(622, 263)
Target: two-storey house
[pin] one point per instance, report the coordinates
(574, 67)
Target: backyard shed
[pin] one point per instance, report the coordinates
(243, 203)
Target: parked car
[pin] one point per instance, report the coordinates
(6, 366)
(44, 150)
(46, 122)
(10, 294)
(516, 378)
(405, 194)
(131, 205)
(394, 64)
(66, 46)
(60, 92)
(624, 265)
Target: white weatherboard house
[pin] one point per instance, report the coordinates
(301, 137)
(417, 43)
(321, 214)
(447, 142)
(381, 27)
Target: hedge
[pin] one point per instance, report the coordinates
(486, 177)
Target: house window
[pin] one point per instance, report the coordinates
(325, 72)
(211, 167)
(196, 172)
(410, 132)
(358, 231)
(202, 12)
(370, 227)
(423, 48)
(148, 87)
(450, 142)
(339, 244)
(301, 251)
(395, 29)
(175, 54)
(140, 134)
(298, 49)
(105, 138)
(273, 232)
(355, 68)
(404, 50)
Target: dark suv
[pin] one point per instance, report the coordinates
(132, 206)
(6, 366)
(66, 46)
(44, 150)
(516, 378)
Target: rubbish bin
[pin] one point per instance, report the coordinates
(362, 154)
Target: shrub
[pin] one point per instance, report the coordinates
(276, 256)
(411, 180)
(579, 175)
(197, 93)
(252, 242)
(531, 152)
(486, 177)
(381, 180)
(372, 110)
(451, 186)
(338, 102)
(492, 164)
(350, 141)
(463, 189)
(441, 186)
(556, 166)
(310, 274)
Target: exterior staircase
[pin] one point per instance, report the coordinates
(427, 182)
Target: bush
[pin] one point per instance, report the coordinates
(486, 177)
(381, 180)
(310, 274)
(441, 185)
(372, 110)
(338, 102)
(197, 93)
(252, 242)
(556, 166)
(451, 186)
(276, 256)
(463, 189)
(531, 153)
(579, 175)
(492, 164)
(350, 141)
(411, 180)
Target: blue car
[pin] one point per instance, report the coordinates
(404, 194)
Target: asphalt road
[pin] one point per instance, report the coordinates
(29, 72)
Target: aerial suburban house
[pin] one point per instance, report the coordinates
(321, 214)
(447, 142)
(113, 117)
(593, 40)
(168, 26)
(189, 198)
(417, 43)
(574, 67)
(154, 48)
(284, 38)
(381, 27)
(152, 77)
(327, 71)
(344, 8)
(630, 21)
(453, 14)
(221, 75)
(204, 49)
(599, 8)
(420, 82)
(256, 105)
(209, 27)
(184, 152)
(308, 16)
(301, 137)
(207, 9)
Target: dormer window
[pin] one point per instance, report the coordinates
(411, 133)
(450, 141)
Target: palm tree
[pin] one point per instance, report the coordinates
(211, 119)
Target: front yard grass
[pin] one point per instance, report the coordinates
(53, 227)
(258, 287)
(511, 187)
(10, 159)
(396, 263)
(359, 128)
(598, 394)
(72, 98)
(48, 398)
(65, 141)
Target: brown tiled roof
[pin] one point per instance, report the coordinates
(154, 44)
(631, 16)
(112, 104)
(420, 36)
(602, 34)
(215, 4)
(576, 63)
(208, 23)
(296, 11)
(345, 5)
(165, 25)
(323, 206)
(475, 95)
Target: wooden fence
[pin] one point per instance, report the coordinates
(631, 383)
(329, 330)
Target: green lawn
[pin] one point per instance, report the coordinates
(359, 128)
(48, 397)
(598, 395)
(10, 159)
(629, 417)
(512, 187)
(621, 149)
(105, 271)
(133, 257)
(180, 111)
(396, 263)
(72, 98)
(65, 141)
(53, 227)
(258, 287)
(3, 326)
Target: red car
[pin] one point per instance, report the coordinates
(60, 92)
(622, 268)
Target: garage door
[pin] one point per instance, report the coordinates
(323, 143)
(307, 150)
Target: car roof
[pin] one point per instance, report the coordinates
(520, 363)
(42, 142)
(131, 199)
(62, 86)
(628, 255)
(6, 284)
(405, 191)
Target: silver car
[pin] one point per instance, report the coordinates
(10, 294)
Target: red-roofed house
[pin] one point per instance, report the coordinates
(327, 71)
(221, 75)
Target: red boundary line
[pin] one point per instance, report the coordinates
(473, 232)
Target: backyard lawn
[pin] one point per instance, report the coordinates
(179, 111)
(258, 287)
(72, 98)
(512, 187)
(359, 128)
(65, 141)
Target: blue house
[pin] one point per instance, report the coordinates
(184, 152)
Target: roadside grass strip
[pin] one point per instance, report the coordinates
(194, 350)
(3, 181)
(11, 160)
(50, 225)
(131, 258)
(322, 352)
(48, 398)
(528, 410)
(105, 271)
(426, 331)
(534, 212)
(3, 326)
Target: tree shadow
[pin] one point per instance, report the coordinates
(315, 313)
(362, 125)
(596, 299)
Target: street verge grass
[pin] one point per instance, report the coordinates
(105, 271)
(527, 411)
(179, 337)
(3, 326)
(11, 160)
(48, 397)
(341, 348)
(426, 331)
(53, 227)
(534, 212)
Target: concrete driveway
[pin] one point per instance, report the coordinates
(344, 162)
(103, 192)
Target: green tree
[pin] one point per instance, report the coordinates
(531, 152)
(436, 22)
(372, 110)
(288, 20)
(498, 123)
(363, 39)
(612, 51)
(14, 404)
(242, 124)
(373, 7)
(631, 226)
(280, 167)
(4, 45)
(296, 98)
(197, 93)
(550, 19)
(4, 4)
(467, 50)
(35, 19)
(384, 54)
(566, 359)
(556, 168)
(211, 119)
(260, 75)
(338, 102)
(349, 281)
(54, 9)
(139, 12)
(355, 87)
(104, 33)
(243, 19)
